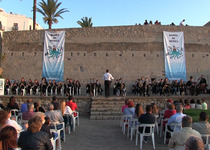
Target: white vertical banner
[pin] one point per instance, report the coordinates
(174, 52)
(1, 86)
(53, 55)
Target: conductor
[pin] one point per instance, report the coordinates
(107, 82)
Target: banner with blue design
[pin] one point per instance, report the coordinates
(174, 52)
(53, 56)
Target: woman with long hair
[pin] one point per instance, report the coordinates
(154, 109)
(138, 111)
(8, 138)
(66, 113)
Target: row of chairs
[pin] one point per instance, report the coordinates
(75, 119)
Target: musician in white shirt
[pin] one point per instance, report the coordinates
(107, 82)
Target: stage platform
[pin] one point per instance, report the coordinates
(100, 107)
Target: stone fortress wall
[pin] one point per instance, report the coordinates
(129, 52)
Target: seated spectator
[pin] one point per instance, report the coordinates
(169, 112)
(126, 105)
(154, 109)
(67, 114)
(34, 138)
(198, 104)
(8, 138)
(1, 105)
(11, 122)
(186, 104)
(179, 138)
(192, 103)
(194, 143)
(12, 104)
(24, 107)
(3, 118)
(138, 111)
(55, 102)
(147, 118)
(38, 108)
(72, 104)
(150, 22)
(203, 126)
(130, 110)
(29, 113)
(182, 102)
(156, 22)
(54, 116)
(204, 104)
(176, 118)
(145, 23)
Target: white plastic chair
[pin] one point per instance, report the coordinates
(53, 141)
(151, 133)
(156, 123)
(161, 125)
(205, 138)
(16, 114)
(125, 122)
(75, 120)
(69, 127)
(59, 132)
(177, 126)
(132, 124)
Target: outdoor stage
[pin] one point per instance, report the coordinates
(100, 107)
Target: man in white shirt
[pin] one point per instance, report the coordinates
(182, 22)
(107, 82)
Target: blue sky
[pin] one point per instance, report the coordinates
(120, 12)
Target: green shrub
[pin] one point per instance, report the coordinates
(194, 113)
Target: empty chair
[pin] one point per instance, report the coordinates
(132, 125)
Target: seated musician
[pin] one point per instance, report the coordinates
(29, 86)
(174, 87)
(70, 87)
(165, 87)
(54, 86)
(146, 87)
(88, 86)
(190, 86)
(35, 86)
(202, 85)
(134, 87)
(7, 86)
(122, 87)
(181, 87)
(140, 87)
(78, 86)
(43, 86)
(154, 85)
(98, 87)
(115, 87)
(66, 92)
(49, 87)
(160, 86)
(59, 87)
(22, 85)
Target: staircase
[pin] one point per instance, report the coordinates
(106, 108)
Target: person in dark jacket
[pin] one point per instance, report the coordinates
(34, 139)
(147, 118)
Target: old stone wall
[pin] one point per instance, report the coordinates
(127, 51)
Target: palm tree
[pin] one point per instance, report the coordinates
(85, 22)
(50, 11)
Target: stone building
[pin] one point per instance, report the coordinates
(129, 52)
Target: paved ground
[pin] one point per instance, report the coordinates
(104, 135)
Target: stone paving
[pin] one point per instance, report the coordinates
(104, 135)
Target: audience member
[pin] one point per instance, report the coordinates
(55, 102)
(34, 138)
(169, 112)
(8, 138)
(67, 114)
(29, 113)
(186, 104)
(11, 122)
(3, 118)
(12, 104)
(198, 104)
(192, 103)
(182, 22)
(204, 104)
(154, 109)
(38, 108)
(176, 118)
(138, 111)
(54, 116)
(203, 126)
(147, 118)
(24, 107)
(130, 110)
(179, 138)
(125, 105)
(194, 143)
(1, 105)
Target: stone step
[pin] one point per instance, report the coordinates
(105, 109)
(106, 113)
(93, 117)
(106, 106)
(107, 102)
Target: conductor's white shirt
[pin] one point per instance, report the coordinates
(107, 76)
